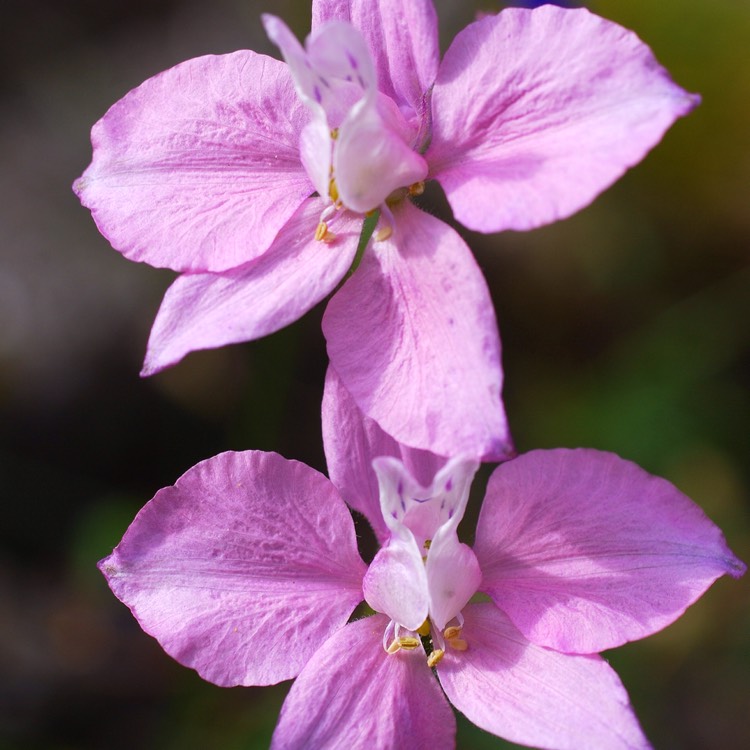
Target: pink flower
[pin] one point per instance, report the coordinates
(251, 177)
(247, 570)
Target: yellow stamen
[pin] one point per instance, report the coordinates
(395, 646)
(435, 657)
(408, 643)
(424, 628)
(427, 543)
(322, 234)
(416, 189)
(457, 643)
(452, 632)
(383, 233)
(335, 135)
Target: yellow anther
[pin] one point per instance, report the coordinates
(383, 233)
(424, 628)
(333, 190)
(409, 643)
(335, 135)
(322, 234)
(416, 189)
(395, 646)
(452, 632)
(435, 657)
(457, 643)
(427, 543)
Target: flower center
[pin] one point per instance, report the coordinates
(434, 641)
(358, 148)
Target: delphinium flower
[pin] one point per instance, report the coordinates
(253, 178)
(247, 570)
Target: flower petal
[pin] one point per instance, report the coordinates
(403, 38)
(396, 583)
(242, 569)
(354, 695)
(537, 111)
(586, 551)
(413, 337)
(198, 168)
(205, 311)
(533, 696)
(352, 441)
(425, 511)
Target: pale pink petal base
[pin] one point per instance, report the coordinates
(537, 111)
(242, 569)
(586, 551)
(353, 695)
(396, 584)
(205, 311)
(198, 168)
(534, 696)
(413, 337)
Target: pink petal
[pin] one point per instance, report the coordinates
(198, 168)
(586, 551)
(413, 337)
(205, 311)
(352, 441)
(402, 36)
(353, 695)
(396, 584)
(537, 111)
(242, 569)
(533, 696)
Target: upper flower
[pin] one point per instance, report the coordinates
(247, 570)
(253, 177)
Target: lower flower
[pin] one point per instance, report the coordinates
(247, 570)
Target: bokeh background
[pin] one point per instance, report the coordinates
(624, 328)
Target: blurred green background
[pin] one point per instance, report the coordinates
(624, 328)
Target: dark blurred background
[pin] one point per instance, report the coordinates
(624, 328)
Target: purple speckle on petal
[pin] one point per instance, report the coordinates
(361, 81)
(450, 513)
(324, 82)
(318, 95)
(449, 484)
(352, 60)
(394, 514)
(400, 488)
(403, 505)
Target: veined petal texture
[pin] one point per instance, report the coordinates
(413, 337)
(242, 569)
(535, 112)
(354, 695)
(198, 168)
(585, 551)
(205, 311)
(535, 696)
